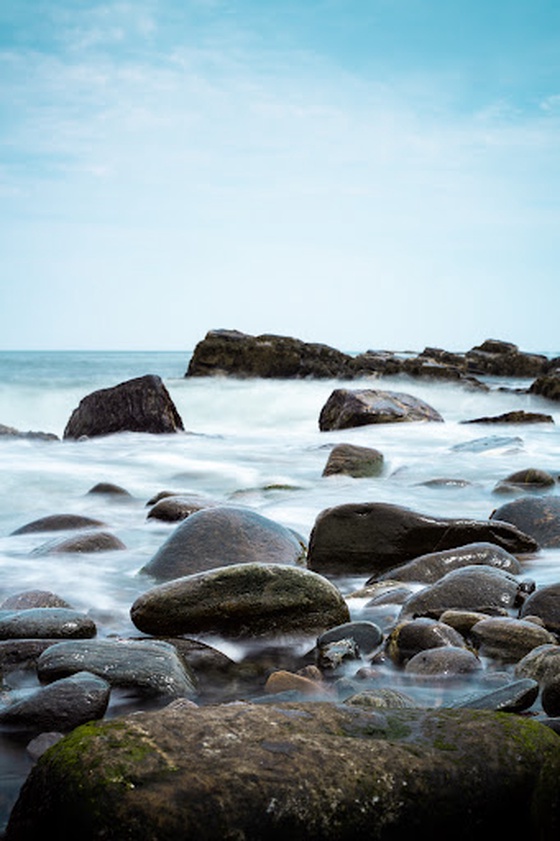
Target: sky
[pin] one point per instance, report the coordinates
(361, 173)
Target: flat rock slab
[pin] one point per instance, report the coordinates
(348, 408)
(314, 771)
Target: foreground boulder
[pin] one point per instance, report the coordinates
(139, 405)
(220, 536)
(242, 601)
(373, 537)
(348, 408)
(315, 771)
(239, 354)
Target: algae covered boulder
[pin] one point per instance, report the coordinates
(242, 601)
(317, 771)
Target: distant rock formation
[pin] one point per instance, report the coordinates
(139, 405)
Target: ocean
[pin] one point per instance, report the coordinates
(254, 443)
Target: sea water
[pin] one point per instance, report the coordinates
(247, 442)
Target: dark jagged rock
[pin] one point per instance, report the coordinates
(517, 416)
(142, 404)
(372, 537)
(347, 408)
(231, 352)
(504, 359)
(11, 432)
(547, 385)
(309, 770)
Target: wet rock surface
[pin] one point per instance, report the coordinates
(348, 408)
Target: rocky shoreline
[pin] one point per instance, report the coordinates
(424, 697)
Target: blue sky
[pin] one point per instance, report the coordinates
(364, 173)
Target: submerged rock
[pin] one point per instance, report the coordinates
(371, 538)
(243, 600)
(218, 536)
(142, 404)
(312, 770)
(347, 408)
(352, 460)
(58, 522)
(12, 432)
(530, 479)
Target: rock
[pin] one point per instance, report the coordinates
(518, 416)
(11, 432)
(109, 489)
(352, 460)
(537, 516)
(20, 654)
(544, 602)
(541, 664)
(99, 541)
(492, 442)
(504, 359)
(514, 697)
(347, 408)
(547, 385)
(231, 352)
(433, 566)
(508, 640)
(63, 705)
(58, 522)
(448, 661)
(176, 507)
(380, 362)
(333, 655)
(314, 771)
(530, 479)
(242, 600)
(381, 699)
(550, 697)
(139, 405)
(219, 536)
(284, 681)
(46, 623)
(366, 635)
(478, 588)
(370, 538)
(151, 667)
(412, 636)
(33, 598)
(41, 743)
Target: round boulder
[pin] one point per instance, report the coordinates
(220, 536)
(544, 602)
(537, 516)
(351, 460)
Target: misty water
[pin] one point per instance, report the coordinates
(254, 443)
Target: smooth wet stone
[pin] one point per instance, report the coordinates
(462, 620)
(508, 640)
(477, 588)
(177, 507)
(220, 536)
(142, 404)
(295, 771)
(46, 623)
(410, 637)
(353, 460)
(381, 699)
(41, 743)
(242, 600)
(530, 480)
(537, 516)
(514, 697)
(61, 705)
(20, 654)
(373, 537)
(98, 541)
(109, 489)
(284, 681)
(431, 567)
(347, 408)
(58, 522)
(544, 602)
(33, 598)
(541, 664)
(448, 660)
(366, 635)
(150, 667)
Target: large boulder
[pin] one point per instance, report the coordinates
(547, 385)
(242, 601)
(504, 359)
(347, 408)
(538, 516)
(372, 537)
(231, 352)
(139, 405)
(317, 771)
(220, 536)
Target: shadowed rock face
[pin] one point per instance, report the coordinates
(239, 354)
(139, 405)
(320, 772)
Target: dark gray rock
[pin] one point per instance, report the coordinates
(109, 489)
(33, 598)
(243, 600)
(371, 538)
(547, 385)
(348, 408)
(431, 567)
(537, 516)
(447, 661)
(514, 697)
(410, 637)
(62, 705)
(504, 359)
(516, 416)
(531, 479)
(151, 667)
(11, 432)
(46, 623)
(58, 522)
(366, 635)
(352, 460)
(541, 664)
(97, 541)
(231, 352)
(544, 602)
(219, 536)
(139, 405)
(314, 771)
(175, 507)
(550, 697)
(507, 639)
